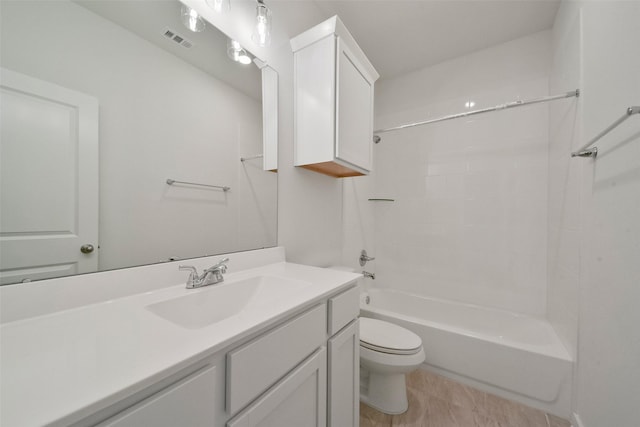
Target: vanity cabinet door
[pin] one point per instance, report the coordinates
(344, 377)
(297, 400)
(188, 403)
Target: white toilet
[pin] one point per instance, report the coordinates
(387, 353)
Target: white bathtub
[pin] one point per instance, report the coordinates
(509, 354)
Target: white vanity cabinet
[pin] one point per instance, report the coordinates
(333, 96)
(301, 372)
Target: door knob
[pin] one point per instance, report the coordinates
(86, 249)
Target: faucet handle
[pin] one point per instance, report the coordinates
(221, 265)
(222, 262)
(364, 258)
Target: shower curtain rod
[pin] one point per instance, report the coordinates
(513, 104)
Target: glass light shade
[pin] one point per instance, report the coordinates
(262, 33)
(219, 6)
(192, 20)
(237, 53)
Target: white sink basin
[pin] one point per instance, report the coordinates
(208, 305)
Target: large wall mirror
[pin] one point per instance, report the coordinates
(105, 101)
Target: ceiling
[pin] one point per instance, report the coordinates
(400, 36)
(150, 18)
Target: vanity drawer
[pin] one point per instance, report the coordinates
(257, 365)
(189, 402)
(343, 308)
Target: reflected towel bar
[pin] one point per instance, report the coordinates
(173, 181)
(259, 156)
(585, 151)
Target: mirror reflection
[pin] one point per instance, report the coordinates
(103, 102)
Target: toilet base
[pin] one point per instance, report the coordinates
(384, 392)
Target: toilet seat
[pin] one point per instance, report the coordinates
(385, 337)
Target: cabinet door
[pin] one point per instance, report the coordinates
(190, 402)
(354, 114)
(344, 377)
(298, 400)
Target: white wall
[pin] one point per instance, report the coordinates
(470, 217)
(195, 128)
(606, 295)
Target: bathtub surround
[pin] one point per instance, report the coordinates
(469, 220)
(436, 401)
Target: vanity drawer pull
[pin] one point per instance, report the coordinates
(257, 365)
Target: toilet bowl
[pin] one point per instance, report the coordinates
(387, 353)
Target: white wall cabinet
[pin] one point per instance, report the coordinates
(333, 95)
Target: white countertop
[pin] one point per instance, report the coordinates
(61, 367)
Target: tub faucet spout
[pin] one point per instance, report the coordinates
(371, 276)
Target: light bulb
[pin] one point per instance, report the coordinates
(262, 34)
(236, 52)
(192, 20)
(244, 58)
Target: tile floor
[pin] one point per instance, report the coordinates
(436, 401)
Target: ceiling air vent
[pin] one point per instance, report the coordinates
(182, 41)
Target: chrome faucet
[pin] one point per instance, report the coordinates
(371, 276)
(210, 276)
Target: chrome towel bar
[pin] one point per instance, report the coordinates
(585, 151)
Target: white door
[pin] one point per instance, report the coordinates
(48, 179)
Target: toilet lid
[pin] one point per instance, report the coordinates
(388, 338)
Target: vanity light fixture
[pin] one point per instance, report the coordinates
(192, 19)
(262, 33)
(219, 6)
(469, 104)
(237, 53)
